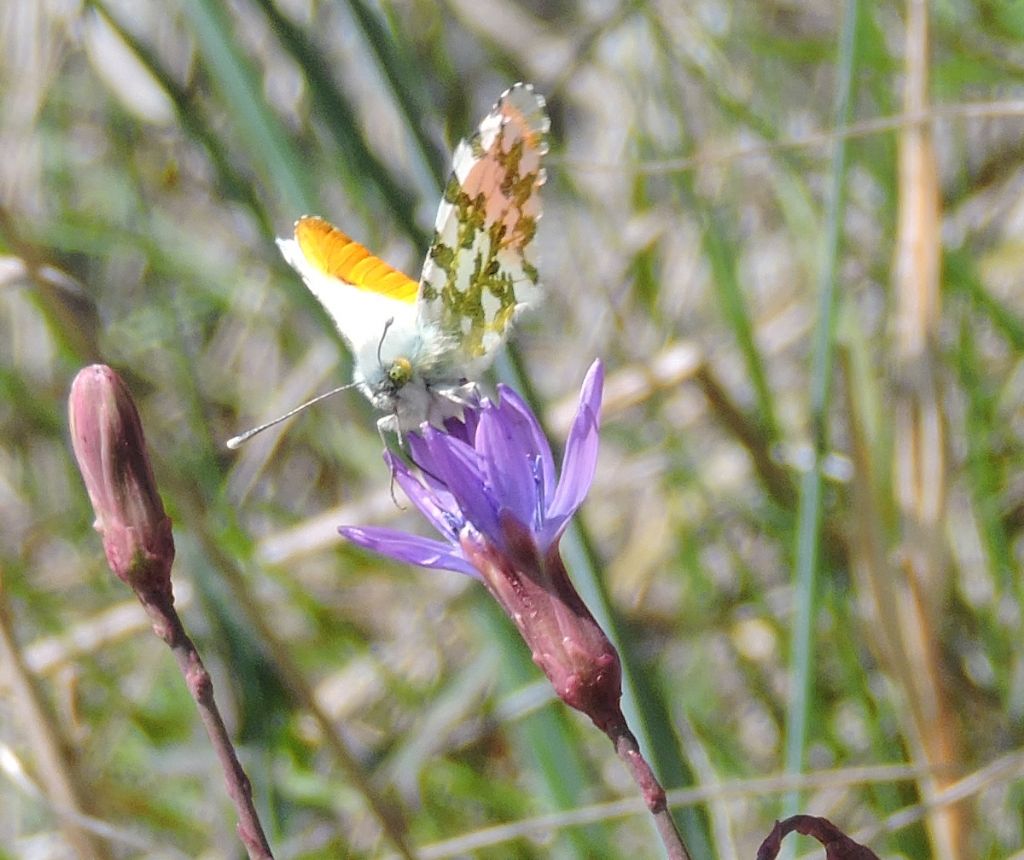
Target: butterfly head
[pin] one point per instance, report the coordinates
(410, 376)
(399, 373)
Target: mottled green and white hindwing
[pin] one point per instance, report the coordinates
(480, 269)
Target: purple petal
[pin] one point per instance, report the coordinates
(538, 444)
(423, 457)
(471, 418)
(439, 446)
(411, 549)
(458, 467)
(437, 506)
(419, 451)
(593, 388)
(580, 450)
(464, 428)
(423, 452)
(507, 463)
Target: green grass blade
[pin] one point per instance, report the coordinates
(809, 510)
(962, 276)
(361, 167)
(722, 256)
(407, 85)
(242, 94)
(723, 253)
(190, 116)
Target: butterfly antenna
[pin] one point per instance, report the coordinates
(235, 441)
(380, 343)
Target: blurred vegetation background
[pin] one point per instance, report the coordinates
(793, 232)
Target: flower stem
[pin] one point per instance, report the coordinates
(628, 750)
(167, 625)
(389, 816)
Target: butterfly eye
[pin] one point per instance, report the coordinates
(400, 372)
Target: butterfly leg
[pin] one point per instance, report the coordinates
(388, 424)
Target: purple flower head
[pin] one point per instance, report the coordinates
(488, 485)
(477, 475)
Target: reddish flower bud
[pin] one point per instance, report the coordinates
(110, 448)
(568, 645)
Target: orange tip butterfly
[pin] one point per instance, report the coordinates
(418, 347)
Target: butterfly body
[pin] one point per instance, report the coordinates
(412, 374)
(418, 346)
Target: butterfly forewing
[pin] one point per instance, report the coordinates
(480, 268)
(360, 291)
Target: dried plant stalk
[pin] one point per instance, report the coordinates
(919, 465)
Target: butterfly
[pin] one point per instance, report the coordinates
(417, 347)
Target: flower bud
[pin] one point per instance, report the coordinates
(565, 640)
(110, 448)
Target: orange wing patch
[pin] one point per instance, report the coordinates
(336, 255)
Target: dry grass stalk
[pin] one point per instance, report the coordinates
(919, 464)
(55, 769)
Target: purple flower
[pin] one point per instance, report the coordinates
(492, 466)
(488, 485)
